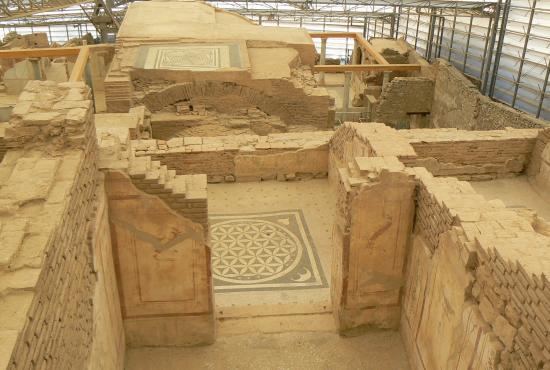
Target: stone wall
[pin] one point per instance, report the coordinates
(48, 203)
(539, 168)
(458, 103)
(477, 288)
(402, 97)
(186, 194)
(471, 155)
(286, 156)
(163, 269)
(467, 155)
(299, 105)
(109, 346)
(370, 236)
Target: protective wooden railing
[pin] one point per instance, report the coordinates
(381, 65)
(82, 53)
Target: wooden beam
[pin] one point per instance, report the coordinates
(370, 49)
(48, 52)
(367, 68)
(39, 52)
(328, 35)
(80, 65)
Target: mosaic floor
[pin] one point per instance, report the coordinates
(308, 231)
(264, 251)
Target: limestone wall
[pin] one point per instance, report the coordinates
(539, 168)
(458, 103)
(471, 155)
(402, 97)
(286, 156)
(48, 202)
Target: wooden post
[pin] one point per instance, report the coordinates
(322, 60)
(345, 103)
(80, 65)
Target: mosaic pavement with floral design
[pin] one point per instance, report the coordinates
(263, 251)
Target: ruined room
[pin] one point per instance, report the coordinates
(275, 185)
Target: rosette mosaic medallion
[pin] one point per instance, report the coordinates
(263, 251)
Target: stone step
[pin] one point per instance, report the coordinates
(153, 174)
(139, 166)
(179, 184)
(163, 174)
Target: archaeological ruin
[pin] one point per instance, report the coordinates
(210, 193)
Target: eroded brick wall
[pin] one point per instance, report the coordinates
(477, 289)
(458, 103)
(239, 158)
(471, 155)
(49, 179)
(402, 97)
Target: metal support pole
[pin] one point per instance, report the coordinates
(484, 58)
(491, 47)
(322, 60)
(407, 24)
(398, 20)
(345, 103)
(500, 43)
(452, 35)
(467, 43)
(543, 91)
(524, 52)
(441, 29)
(430, 35)
(416, 35)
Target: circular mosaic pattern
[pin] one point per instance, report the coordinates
(253, 251)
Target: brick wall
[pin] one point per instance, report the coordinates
(230, 158)
(490, 265)
(293, 104)
(403, 96)
(458, 103)
(477, 291)
(51, 261)
(471, 155)
(467, 155)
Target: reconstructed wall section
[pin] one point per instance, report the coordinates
(458, 103)
(467, 155)
(48, 209)
(286, 156)
(402, 97)
(471, 155)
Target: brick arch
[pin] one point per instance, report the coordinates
(188, 90)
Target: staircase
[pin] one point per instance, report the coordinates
(186, 194)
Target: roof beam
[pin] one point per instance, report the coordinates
(367, 68)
